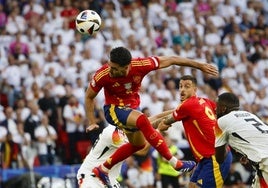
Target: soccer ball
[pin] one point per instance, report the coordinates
(88, 22)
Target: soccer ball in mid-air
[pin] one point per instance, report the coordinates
(88, 22)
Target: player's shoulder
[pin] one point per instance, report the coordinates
(225, 120)
(102, 72)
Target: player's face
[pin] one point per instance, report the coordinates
(118, 71)
(187, 89)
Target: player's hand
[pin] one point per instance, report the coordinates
(210, 69)
(162, 126)
(244, 160)
(92, 127)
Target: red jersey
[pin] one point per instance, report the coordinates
(198, 119)
(123, 91)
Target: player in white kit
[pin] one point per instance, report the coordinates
(245, 133)
(109, 140)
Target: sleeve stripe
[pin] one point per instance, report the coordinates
(156, 62)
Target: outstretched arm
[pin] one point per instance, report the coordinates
(89, 107)
(166, 61)
(156, 119)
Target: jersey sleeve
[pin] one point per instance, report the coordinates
(100, 78)
(95, 84)
(155, 61)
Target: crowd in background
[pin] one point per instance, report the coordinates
(45, 66)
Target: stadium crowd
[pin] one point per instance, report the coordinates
(45, 66)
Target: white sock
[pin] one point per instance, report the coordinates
(173, 161)
(104, 169)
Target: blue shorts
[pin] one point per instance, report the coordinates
(209, 174)
(117, 115)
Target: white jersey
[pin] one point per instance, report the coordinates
(109, 140)
(245, 133)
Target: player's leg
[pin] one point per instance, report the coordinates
(132, 122)
(140, 121)
(118, 116)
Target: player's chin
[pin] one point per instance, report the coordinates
(118, 75)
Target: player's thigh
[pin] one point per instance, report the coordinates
(122, 117)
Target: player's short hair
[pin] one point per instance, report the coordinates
(120, 56)
(189, 77)
(229, 99)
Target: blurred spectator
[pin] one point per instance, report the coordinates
(11, 152)
(46, 137)
(69, 12)
(33, 120)
(166, 174)
(234, 179)
(48, 105)
(11, 83)
(74, 115)
(3, 139)
(203, 7)
(22, 111)
(23, 141)
(34, 92)
(10, 123)
(3, 17)
(131, 174)
(15, 22)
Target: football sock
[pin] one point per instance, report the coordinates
(120, 154)
(153, 137)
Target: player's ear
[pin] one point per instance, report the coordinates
(225, 109)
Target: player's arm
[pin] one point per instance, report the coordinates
(166, 61)
(221, 152)
(165, 122)
(156, 119)
(89, 107)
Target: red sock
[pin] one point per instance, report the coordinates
(153, 137)
(121, 154)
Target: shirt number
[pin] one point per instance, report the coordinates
(257, 125)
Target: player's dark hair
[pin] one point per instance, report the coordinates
(230, 100)
(189, 77)
(120, 56)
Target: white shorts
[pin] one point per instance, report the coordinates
(88, 181)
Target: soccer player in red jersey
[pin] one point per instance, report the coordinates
(198, 116)
(121, 79)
